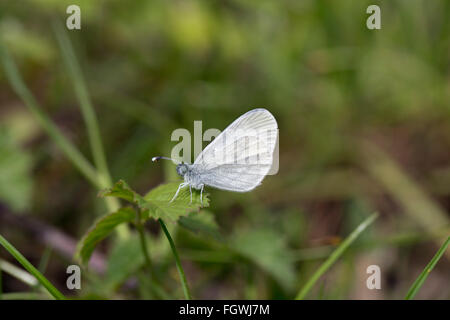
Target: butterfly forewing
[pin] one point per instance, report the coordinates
(242, 155)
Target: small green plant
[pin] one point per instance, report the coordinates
(154, 205)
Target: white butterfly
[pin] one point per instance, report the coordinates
(238, 159)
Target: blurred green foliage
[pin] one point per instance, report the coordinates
(338, 91)
(15, 173)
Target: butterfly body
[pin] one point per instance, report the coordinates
(190, 175)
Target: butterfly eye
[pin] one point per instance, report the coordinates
(182, 169)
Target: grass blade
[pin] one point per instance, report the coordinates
(18, 273)
(334, 256)
(424, 210)
(16, 81)
(31, 269)
(85, 102)
(423, 276)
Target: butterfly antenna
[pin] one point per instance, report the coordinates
(155, 159)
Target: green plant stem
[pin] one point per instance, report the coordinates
(140, 229)
(144, 248)
(423, 276)
(157, 289)
(334, 256)
(184, 283)
(31, 269)
(43, 263)
(42, 267)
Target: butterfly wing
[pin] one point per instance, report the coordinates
(241, 155)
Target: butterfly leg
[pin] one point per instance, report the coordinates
(190, 190)
(201, 194)
(182, 185)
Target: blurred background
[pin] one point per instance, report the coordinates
(364, 118)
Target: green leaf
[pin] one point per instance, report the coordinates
(203, 223)
(156, 203)
(423, 276)
(15, 173)
(267, 249)
(101, 229)
(124, 259)
(121, 190)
